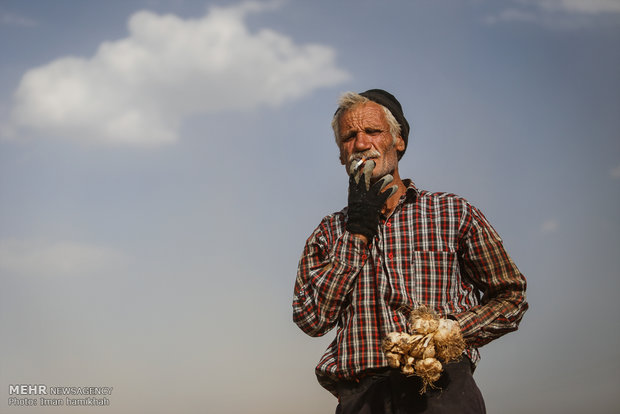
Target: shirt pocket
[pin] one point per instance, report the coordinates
(435, 279)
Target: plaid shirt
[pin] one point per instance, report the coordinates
(435, 249)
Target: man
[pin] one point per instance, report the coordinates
(393, 249)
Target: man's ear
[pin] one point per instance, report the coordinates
(400, 144)
(343, 161)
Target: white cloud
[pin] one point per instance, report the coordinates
(12, 19)
(615, 172)
(138, 90)
(29, 257)
(511, 15)
(579, 6)
(549, 226)
(562, 14)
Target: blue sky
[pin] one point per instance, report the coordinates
(163, 162)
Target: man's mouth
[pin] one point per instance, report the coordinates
(356, 164)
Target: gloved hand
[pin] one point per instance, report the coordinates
(366, 201)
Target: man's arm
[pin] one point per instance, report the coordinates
(326, 274)
(485, 262)
(329, 264)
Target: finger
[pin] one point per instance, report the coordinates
(391, 191)
(352, 182)
(384, 181)
(356, 164)
(385, 195)
(355, 172)
(367, 171)
(357, 175)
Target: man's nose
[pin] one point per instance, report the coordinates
(362, 141)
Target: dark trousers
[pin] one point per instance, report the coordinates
(390, 392)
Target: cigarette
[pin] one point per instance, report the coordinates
(356, 164)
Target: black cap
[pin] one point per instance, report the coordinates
(391, 103)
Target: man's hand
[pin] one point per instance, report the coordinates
(366, 201)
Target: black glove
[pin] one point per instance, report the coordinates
(366, 201)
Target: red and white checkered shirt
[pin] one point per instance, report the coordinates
(435, 249)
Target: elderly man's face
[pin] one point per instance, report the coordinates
(364, 131)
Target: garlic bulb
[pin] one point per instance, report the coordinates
(429, 369)
(431, 339)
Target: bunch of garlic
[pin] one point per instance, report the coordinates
(430, 339)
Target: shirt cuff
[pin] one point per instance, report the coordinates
(467, 321)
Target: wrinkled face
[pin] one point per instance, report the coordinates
(364, 132)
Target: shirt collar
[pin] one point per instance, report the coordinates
(411, 193)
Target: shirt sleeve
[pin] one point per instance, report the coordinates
(485, 262)
(326, 274)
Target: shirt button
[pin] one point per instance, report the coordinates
(363, 257)
(395, 318)
(391, 255)
(389, 224)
